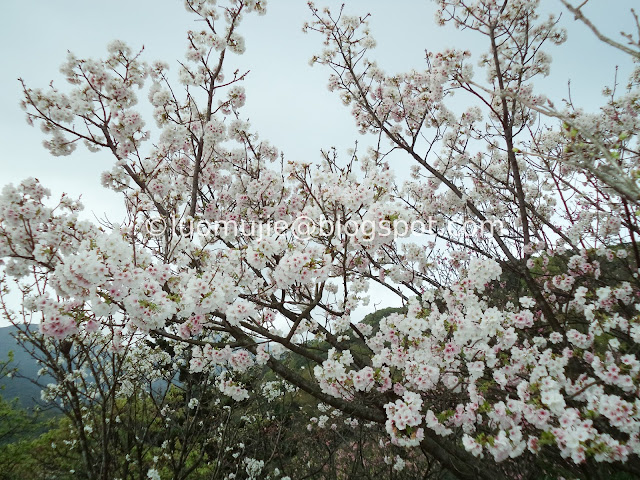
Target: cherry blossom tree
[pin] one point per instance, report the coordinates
(516, 353)
(125, 412)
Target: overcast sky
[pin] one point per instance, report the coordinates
(287, 100)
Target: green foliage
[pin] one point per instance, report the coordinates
(374, 318)
(14, 421)
(16, 424)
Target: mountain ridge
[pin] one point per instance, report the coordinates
(20, 385)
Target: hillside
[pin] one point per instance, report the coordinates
(20, 386)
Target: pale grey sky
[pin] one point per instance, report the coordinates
(287, 100)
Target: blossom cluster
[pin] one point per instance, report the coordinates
(506, 345)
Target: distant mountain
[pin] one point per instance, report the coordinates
(18, 387)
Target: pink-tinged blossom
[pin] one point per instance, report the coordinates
(232, 389)
(239, 311)
(403, 418)
(363, 380)
(468, 357)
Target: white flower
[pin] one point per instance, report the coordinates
(399, 465)
(153, 474)
(482, 271)
(527, 302)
